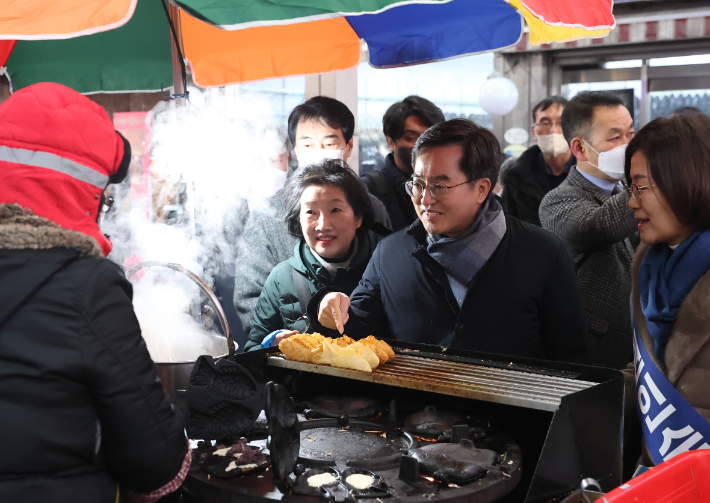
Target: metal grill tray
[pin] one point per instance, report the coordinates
(480, 382)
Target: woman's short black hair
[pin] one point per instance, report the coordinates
(324, 109)
(332, 172)
(481, 150)
(677, 150)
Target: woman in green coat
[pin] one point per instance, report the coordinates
(330, 211)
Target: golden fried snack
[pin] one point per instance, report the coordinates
(372, 359)
(366, 354)
(329, 352)
(302, 347)
(381, 353)
(382, 344)
(349, 358)
(344, 341)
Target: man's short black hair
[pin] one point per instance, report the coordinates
(321, 108)
(481, 150)
(332, 172)
(578, 113)
(547, 103)
(396, 115)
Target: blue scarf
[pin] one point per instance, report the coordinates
(665, 278)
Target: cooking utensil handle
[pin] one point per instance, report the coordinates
(203, 286)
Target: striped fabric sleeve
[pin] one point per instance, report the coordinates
(168, 488)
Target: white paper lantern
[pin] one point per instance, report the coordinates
(498, 96)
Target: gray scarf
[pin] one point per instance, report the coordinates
(463, 257)
(332, 267)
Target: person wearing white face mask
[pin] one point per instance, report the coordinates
(589, 212)
(540, 168)
(321, 128)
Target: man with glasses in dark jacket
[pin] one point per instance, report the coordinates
(464, 275)
(540, 168)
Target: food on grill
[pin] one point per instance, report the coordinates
(303, 347)
(359, 481)
(376, 348)
(343, 352)
(367, 353)
(321, 479)
(381, 344)
(330, 352)
(351, 358)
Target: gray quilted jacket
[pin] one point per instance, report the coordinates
(600, 234)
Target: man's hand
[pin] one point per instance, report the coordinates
(333, 311)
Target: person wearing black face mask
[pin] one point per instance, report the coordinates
(402, 124)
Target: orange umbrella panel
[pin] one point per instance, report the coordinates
(52, 20)
(218, 57)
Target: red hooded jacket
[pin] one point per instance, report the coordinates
(57, 152)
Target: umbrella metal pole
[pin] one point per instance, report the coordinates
(178, 88)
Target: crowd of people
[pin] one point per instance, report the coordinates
(597, 251)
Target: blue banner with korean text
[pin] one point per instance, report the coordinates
(671, 426)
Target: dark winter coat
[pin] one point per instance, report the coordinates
(396, 200)
(600, 233)
(523, 302)
(279, 306)
(81, 408)
(525, 183)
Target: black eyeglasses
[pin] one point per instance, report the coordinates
(635, 190)
(439, 191)
(544, 126)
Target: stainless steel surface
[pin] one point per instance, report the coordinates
(511, 387)
(175, 377)
(203, 286)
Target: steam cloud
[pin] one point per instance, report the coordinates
(217, 159)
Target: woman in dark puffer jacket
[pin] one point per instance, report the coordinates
(329, 210)
(83, 417)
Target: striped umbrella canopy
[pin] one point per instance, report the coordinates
(124, 45)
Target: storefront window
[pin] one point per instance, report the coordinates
(452, 85)
(283, 94)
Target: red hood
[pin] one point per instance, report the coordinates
(57, 150)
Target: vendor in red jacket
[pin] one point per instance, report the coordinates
(83, 417)
(465, 275)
